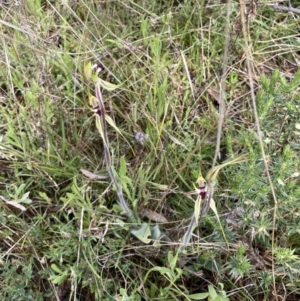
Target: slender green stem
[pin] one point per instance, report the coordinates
(101, 124)
(205, 205)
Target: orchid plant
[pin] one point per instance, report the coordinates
(143, 231)
(96, 102)
(204, 199)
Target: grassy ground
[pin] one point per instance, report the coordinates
(64, 235)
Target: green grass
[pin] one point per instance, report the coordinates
(63, 234)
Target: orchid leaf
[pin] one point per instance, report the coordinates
(211, 176)
(112, 124)
(93, 101)
(107, 85)
(100, 130)
(155, 232)
(87, 71)
(143, 233)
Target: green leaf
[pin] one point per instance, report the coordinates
(155, 232)
(93, 101)
(199, 296)
(87, 71)
(20, 189)
(172, 260)
(101, 130)
(58, 279)
(123, 169)
(108, 86)
(212, 174)
(212, 292)
(56, 269)
(25, 198)
(44, 196)
(165, 271)
(143, 233)
(112, 124)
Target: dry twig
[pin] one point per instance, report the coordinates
(286, 9)
(222, 85)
